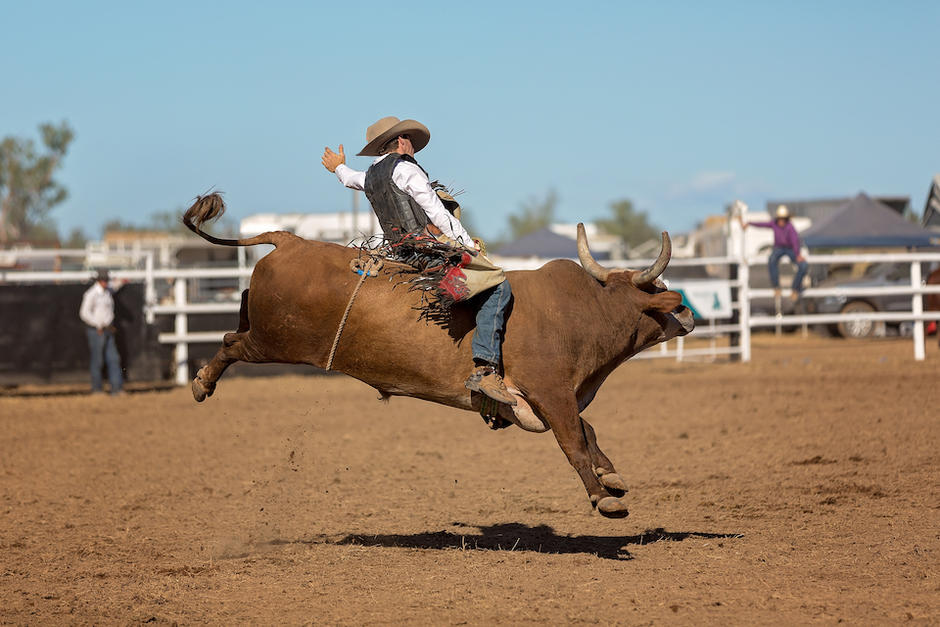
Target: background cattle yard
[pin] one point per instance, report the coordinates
(799, 487)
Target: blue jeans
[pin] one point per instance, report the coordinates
(491, 323)
(103, 348)
(773, 266)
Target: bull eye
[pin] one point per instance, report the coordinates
(626, 278)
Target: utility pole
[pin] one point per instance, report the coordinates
(355, 213)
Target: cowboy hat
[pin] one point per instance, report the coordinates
(391, 127)
(782, 212)
(449, 202)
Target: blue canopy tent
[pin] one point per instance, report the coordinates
(866, 223)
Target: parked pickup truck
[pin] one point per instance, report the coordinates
(876, 275)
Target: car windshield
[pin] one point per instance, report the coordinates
(890, 271)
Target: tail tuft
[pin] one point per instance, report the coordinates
(204, 209)
(209, 207)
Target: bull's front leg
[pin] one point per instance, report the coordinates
(603, 467)
(572, 436)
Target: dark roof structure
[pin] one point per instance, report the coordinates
(547, 244)
(865, 222)
(820, 209)
(931, 219)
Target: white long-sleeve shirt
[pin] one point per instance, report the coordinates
(97, 308)
(412, 180)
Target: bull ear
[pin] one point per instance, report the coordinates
(664, 301)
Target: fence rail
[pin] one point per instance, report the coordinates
(181, 307)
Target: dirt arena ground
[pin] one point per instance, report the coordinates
(801, 487)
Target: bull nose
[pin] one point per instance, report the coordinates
(685, 318)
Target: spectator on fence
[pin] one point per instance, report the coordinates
(97, 312)
(786, 244)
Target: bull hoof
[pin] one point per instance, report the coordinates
(614, 483)
(199, 392)
(202, 391)
(612, 507)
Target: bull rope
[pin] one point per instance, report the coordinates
(369, 268)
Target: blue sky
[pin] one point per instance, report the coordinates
(679, 106)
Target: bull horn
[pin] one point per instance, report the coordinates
(646, 277)
(593, 268)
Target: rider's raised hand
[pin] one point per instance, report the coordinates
(331, 159)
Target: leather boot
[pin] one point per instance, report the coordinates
(486, 380)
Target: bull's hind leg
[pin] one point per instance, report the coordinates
(233, 349)
(572, 436)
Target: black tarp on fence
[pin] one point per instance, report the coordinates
(42, 339)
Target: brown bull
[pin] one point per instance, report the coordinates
(932, 301)
(568, 330)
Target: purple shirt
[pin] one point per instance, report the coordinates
(784, 236)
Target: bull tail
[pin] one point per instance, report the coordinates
(210, 207)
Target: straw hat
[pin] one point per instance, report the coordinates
(391, 127)
(782, 212)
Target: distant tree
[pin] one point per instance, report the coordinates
(536, 214)
(28, 191)
(630, 225)
(116, 224)
(44, 234)
(168, 221)
(76, 238)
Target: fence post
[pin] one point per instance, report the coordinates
(182, 329)
(713, 343)
(150, 294)
(744, 301)
(917, 307)
(740, 275)
(778, 312)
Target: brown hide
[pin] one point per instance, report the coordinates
(565, 331)
(932, 301)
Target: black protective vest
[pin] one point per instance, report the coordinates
(398, 213)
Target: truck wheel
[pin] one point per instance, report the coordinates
(857, 329)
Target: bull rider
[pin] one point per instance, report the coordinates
(402, 196)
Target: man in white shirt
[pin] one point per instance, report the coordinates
(97, 312)
(403, 200)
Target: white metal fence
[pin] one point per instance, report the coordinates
(178, 304)
(917, 289)
(746, 320)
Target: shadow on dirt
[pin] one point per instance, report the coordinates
(516, 537)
